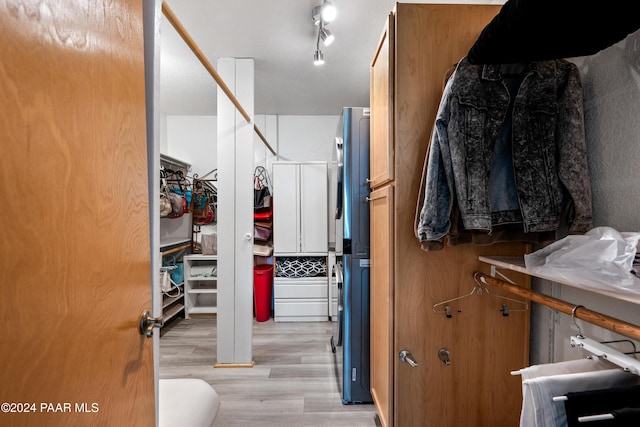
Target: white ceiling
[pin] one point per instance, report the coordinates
(281, 38)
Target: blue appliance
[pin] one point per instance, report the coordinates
(350, 340)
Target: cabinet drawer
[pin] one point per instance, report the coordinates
(300, 290)
(307, 287)
(301, 308)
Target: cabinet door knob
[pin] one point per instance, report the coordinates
(248, 236)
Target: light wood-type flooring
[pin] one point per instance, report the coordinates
(293, 382)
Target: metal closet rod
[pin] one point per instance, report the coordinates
(175, 22)
(616, 325)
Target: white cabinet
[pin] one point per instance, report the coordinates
(301, 299)
(300, 217)
(300, 229)
(200, 284)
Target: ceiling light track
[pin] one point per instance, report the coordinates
(321, 16)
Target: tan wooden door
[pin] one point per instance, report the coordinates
(382, 359)
(381, 95)
(74, 216)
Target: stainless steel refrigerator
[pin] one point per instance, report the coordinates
(350, 341)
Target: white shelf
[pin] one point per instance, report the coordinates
(172, 312)
(517, 264)
(164, 243)
(202, 291)
(203, 309)
(170, 300)
(198, 257)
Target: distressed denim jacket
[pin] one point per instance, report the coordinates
(548, 150)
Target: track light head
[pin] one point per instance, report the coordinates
(326, 36)
(329, 11)
(318, 58)
(326, 12)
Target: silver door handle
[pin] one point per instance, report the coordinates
(406, 357)
(147, 323)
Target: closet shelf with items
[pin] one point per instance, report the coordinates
(175, 233)
(518, 264)
(200, 284)
(262, 213)
(204, 207)
(175, 200)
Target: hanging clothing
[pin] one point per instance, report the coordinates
(565, 367)
(527, 416)
(547, 148)
(539, 30)
(602, 401)
(540, 410)
(626, 417)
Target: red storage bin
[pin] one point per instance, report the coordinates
(262, 290)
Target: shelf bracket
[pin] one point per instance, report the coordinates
(496, 272)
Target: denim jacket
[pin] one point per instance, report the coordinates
(548, 150)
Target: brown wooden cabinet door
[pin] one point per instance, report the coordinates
(476, 388)
(381, 153)
(381, 220)
(75, 266)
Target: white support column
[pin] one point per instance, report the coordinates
(235, 215)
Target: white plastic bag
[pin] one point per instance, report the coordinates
(602, 259)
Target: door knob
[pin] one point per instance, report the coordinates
(147, 323)
(406, 357)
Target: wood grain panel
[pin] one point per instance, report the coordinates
(483, 344)
(76, 260)
(381, 92)
(381, 214)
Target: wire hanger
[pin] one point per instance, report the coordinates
(480, 289)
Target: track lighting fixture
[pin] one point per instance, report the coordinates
(321, 16)
(326, 36)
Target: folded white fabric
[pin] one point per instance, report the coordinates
(543, 411)
(565, 367)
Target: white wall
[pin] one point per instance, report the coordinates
(192, 139)
(306, 138)
(611, 83)
(300, 138)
